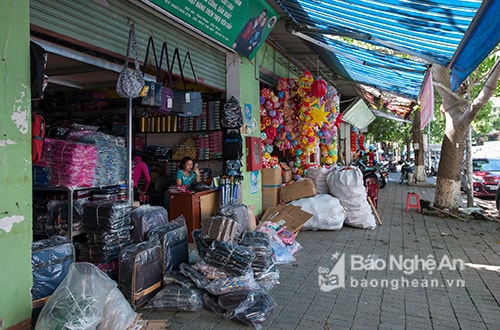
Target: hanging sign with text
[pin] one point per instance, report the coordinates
(242, 25)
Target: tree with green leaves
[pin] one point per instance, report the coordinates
(460, 109)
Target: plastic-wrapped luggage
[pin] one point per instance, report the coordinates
(51, 259)
(140, 272)
(146, 218)
(173, 240)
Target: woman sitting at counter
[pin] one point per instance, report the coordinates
(187, 173)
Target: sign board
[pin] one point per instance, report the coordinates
(242, 25)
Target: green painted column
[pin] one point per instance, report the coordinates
(15, 163)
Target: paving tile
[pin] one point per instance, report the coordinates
(301, 305)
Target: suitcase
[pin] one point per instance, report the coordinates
(174, 243)
(140, 275)
(146, 218)
(50, 262)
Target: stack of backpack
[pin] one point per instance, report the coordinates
(232, 145)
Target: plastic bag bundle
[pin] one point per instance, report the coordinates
(106, 215)
(83, 300)
(71, 164)
(110, 237)
(346, 183)
(41, 175)
(259, 243)
(234, 283)
(232, 258)
(110, 154)
(202, 243)
(281, 254)
(220, 227)
(268, 278)
(239, 213)
(175, 276)
(249, 307)
(176, 297)
(51, 260)
(328, 213)
(198, 279)
(146, 218)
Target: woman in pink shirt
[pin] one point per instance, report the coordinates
(140, 169)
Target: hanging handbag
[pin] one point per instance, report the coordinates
(167, 94)
(186, 103)
(153, 96)
(130, 81)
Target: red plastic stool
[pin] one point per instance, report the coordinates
(372, 187)
(413, 205)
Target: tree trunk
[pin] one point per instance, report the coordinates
(459, 113)
(468, 166)
(418, 139)
(448, 179)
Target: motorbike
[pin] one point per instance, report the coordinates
(373, 172)
(406, 169)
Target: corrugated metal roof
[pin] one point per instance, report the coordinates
(430, 30)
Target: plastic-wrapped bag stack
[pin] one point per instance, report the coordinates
(111, 153)
(107, 224)
(346, 183)
(71, 164)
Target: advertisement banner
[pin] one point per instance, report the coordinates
(242, 25)
(426, 99)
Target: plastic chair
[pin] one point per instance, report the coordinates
(372, 187)
(413, 202)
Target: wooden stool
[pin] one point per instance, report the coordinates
(413, 205)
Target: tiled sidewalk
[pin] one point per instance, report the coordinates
(404, 302)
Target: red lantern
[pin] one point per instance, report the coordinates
(318, 88)
(354, 137)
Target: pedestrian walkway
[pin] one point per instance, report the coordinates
(376, 296)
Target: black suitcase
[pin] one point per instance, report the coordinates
(140, 275)
(174, 243)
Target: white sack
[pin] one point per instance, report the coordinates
(346, 183)
(318, 175)
(327, 212)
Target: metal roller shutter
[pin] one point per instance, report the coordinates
(106, 27)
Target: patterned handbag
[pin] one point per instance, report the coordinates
(130, 81)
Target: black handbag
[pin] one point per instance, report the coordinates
(186, 103)
(153, 96)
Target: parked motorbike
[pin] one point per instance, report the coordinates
(373, 172)
(406, 169)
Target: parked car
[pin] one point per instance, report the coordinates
(485, 177)
(497, 198)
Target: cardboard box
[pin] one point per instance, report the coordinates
(270, 197)
(294, 216)
(271, 177)
(299, 189)
(286, 173)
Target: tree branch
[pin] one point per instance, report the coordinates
(488, 89)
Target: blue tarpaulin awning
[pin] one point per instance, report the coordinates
(458, 34)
